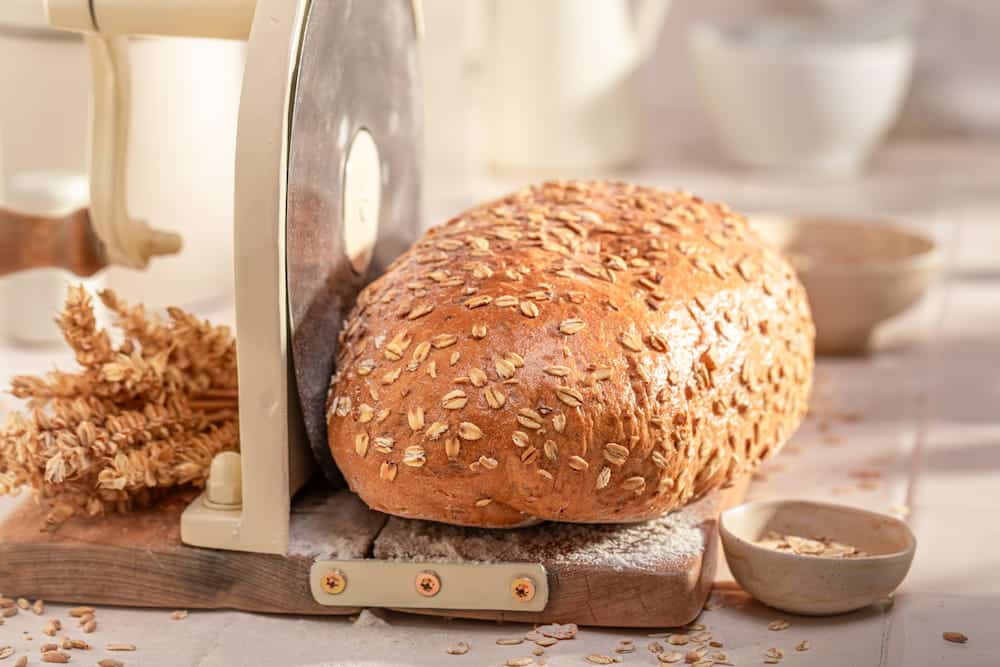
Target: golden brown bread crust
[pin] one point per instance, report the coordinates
(583, 351)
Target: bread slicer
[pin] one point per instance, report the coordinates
(327, 194)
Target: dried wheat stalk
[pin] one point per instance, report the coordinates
(136, 419)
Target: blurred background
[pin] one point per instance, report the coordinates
(949, 92)
(825, 106)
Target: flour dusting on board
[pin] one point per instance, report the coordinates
(650, 545)
(337, 526)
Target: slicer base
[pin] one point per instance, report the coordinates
(138, 560)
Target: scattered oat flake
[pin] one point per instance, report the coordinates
(694, 656)
(780, 624)
(599, 659)
(55, 656)
(120, 647)
(671, 657)
(81, 611)
(802, 646)
(6, 652)
(178, 615)
(625, 646)
(21, 662)
(520, 662)
(546, 641)
(110, 662)
(461, 648)
(557, 631)
(510, 641)
(955, 637)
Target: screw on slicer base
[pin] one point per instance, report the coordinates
(427, 583)
(523, 589)
(334, 582)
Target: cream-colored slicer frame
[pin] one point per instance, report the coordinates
(219, 19)
(274, 460)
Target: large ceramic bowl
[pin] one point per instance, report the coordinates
(857, 273)
(816, 585)
(783, 97)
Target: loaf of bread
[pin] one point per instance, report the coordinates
(577, 351)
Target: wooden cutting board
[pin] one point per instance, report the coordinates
(654, 574)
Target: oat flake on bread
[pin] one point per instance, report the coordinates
(577, 351)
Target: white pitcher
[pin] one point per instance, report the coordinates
(560, 90)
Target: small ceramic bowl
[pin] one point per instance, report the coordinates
(816, 585)
(857, 273)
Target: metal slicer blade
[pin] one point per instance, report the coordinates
(353, 199)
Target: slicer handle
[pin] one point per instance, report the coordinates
(127, 241)
(105, 24)
(39, 242)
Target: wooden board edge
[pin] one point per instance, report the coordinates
(196, 579)
(262, 583)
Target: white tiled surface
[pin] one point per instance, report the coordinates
(929, 424)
